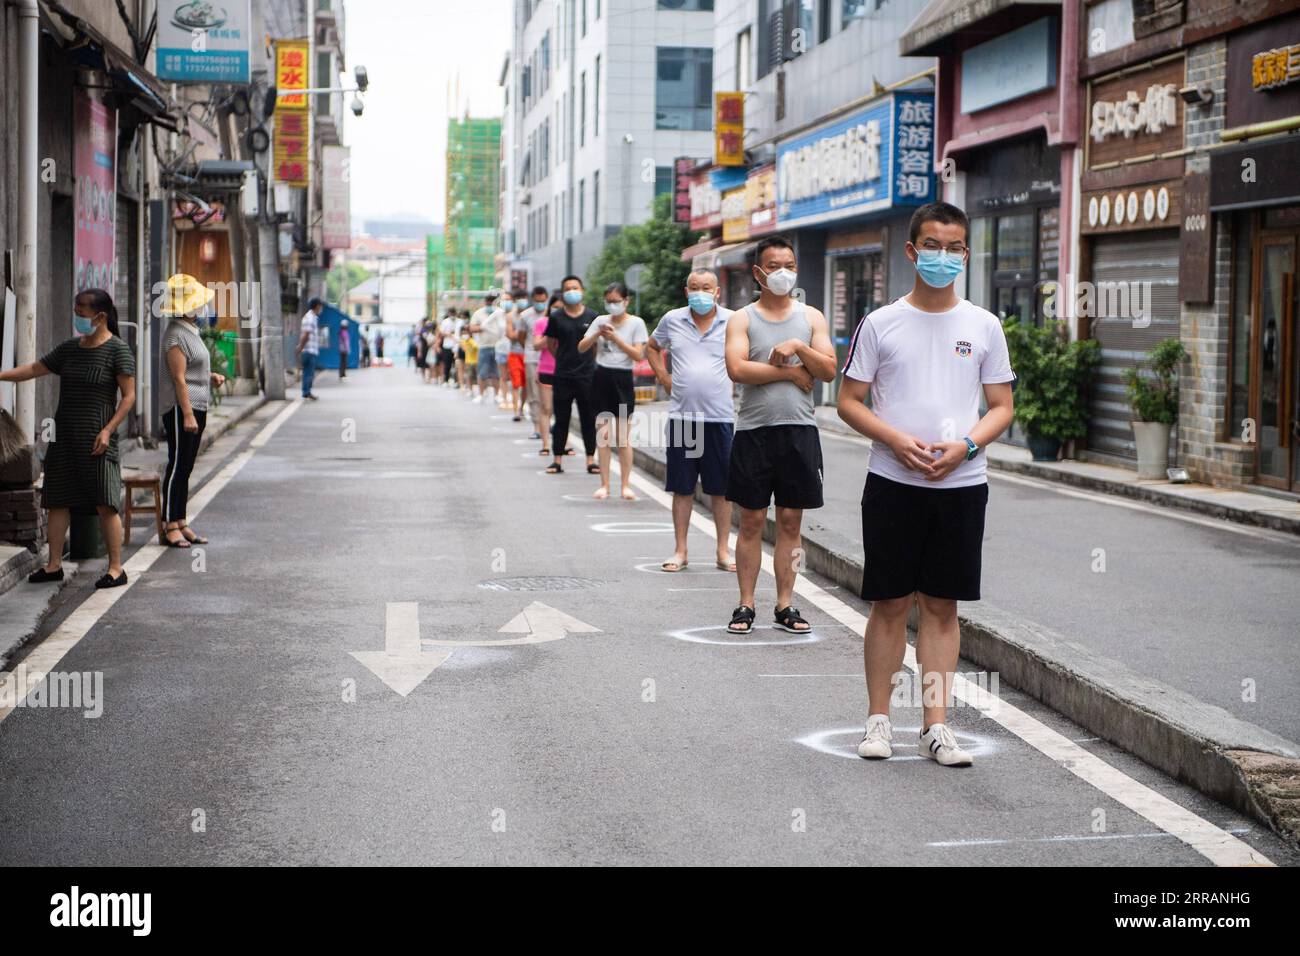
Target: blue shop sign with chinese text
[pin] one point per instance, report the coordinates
(872, 160)
(204, 42)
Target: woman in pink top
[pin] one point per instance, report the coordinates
(545, 376)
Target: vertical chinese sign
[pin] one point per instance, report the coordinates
(914, 149)
(291, 145)
(729, 129)
(94, 170)
(336, 219)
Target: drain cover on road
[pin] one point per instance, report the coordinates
(539, 583)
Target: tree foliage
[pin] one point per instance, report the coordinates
(1052, 375)
(342, 277)
(657, 244)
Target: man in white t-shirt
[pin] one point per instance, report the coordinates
(925, 360)
(309, 346)
(487, 325)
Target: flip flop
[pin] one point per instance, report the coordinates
(726, 567)
(672, 567)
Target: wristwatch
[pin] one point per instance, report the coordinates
(972, 449)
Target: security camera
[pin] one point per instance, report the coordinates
(363, 80)
(627, 138)
(357, 106)
(1197, 95)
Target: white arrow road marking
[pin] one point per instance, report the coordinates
(401, 664)
(538, 623)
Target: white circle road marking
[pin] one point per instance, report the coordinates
(633, 527)
(692, 635)
(654, 567)
(843, 742)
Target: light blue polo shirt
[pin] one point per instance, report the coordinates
(701, 388)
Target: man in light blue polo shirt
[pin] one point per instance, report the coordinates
(701, 416)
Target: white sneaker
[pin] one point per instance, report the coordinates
(478, 399)
(875, 742)
(939, 744)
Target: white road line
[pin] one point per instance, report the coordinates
(1149, 508)
(1217, 845)
(1066, 839)
(46, 655)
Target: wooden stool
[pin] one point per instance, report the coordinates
(143, 483)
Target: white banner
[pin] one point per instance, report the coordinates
(336, 212)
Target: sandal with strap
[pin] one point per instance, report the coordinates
(786, 619)
(554, 469)
(742, 620)
(196, 539)
(182, 542)
(593, 469)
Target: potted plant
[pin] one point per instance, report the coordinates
(1153, 396)
(1051, 383)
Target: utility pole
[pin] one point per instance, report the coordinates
(268, 255)
(238, 259)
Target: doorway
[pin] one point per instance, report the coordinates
(1276, 398)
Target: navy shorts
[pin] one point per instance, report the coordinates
(929, 540)
(698, 451)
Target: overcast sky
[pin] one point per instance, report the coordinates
(412, 49)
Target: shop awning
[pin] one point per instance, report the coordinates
(733, 254)
(690, 252)
(932, 32)
(138, 87)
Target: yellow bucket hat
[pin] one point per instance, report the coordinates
(185, 295)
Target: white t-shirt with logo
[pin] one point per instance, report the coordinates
(927, 371)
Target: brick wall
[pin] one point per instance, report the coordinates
(1204, 327)
(22, 522)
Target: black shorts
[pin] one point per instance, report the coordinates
(546, 378)
(922, 539)
(781, 461)
(697, 451)
(612, 392)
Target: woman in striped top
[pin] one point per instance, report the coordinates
(83, 470)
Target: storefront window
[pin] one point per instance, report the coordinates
(1016, 242)
(1239, 400)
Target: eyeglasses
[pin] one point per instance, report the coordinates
(931, 245)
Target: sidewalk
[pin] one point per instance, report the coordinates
(1244, 507)
(23, 610)
(1154, 653)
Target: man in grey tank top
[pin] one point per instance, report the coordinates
(776, 348)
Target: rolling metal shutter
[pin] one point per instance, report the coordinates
(1148, 265)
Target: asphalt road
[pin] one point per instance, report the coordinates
(232, 694)
(1210, 610)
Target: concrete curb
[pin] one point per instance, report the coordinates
(1236, 762)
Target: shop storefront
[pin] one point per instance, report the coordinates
(844, 188)
(1131, 201)
(1257, 185)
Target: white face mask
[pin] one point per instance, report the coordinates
(616, 308)
(779, 281)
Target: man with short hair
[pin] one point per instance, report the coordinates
(574, 370)
(345, 343)
(776, 348)
(487, 325)
(925, 360)
(701, 414)
(309, 345)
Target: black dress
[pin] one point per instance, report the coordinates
(88, 395)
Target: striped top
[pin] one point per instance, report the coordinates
(198, 366)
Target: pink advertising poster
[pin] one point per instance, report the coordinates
(94, 168)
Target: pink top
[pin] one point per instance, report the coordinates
(546, 361)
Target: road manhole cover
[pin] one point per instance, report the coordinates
(538, 583)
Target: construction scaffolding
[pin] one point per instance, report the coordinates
(473, 194)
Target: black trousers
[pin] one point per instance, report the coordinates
(448, 359)
(182, 449)
(564, 393)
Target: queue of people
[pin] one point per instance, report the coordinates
(925, 362)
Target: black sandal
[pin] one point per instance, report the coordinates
(787, 618)
(593, 469)
(554, 468)
(197, 539)
(41, 576)
(108, 581)
(183, 543)
(569, 451)
(744, 616)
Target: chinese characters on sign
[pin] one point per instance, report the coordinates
(682, 168)
(914, 157)
(292, 130)
(336, 221)
(1133, 115)
(203, 42)
(95, 198)
(729, 122)
(1274, 68)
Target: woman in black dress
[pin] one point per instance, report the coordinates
(83, 471)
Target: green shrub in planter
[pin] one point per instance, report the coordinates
(1154, 395)
(1052, 375)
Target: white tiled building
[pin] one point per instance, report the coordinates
(600, 97)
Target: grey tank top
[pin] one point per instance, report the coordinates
(777, 403)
